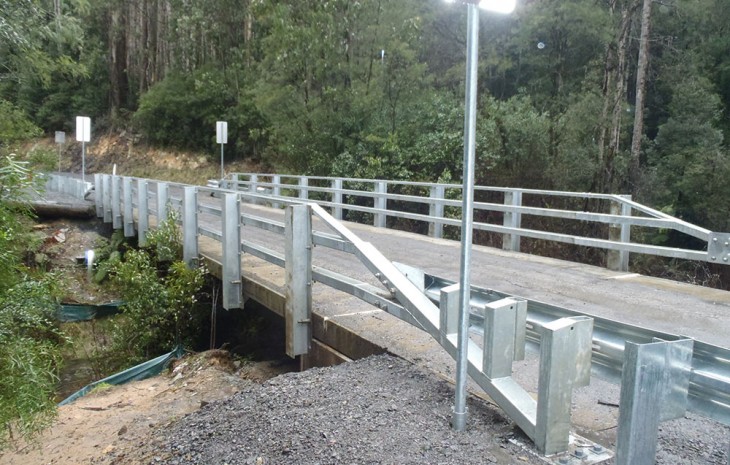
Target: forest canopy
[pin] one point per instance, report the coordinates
(621, 96)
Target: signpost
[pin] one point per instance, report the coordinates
(60, 140)
(221, 137)
(83, 135)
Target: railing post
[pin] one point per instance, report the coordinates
(253, 180)
(99, 195)
(190, 226)
(162, 197)
(231, 228)
(512, 219)
(116, 204)
(128, 216)
(565, 363)
(143, 212)
(276, 181)
(107, 201)
(618, 260)
(654, 386)
(303, 191)
(337, 199)
(298, 256)
(380, 203)
(436, 210)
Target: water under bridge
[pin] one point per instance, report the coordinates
(657, 348)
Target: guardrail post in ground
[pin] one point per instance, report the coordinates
(618, 260)
(99, 195)
(298, 256)
(162, 197)
(337, 199)
(565, 363)
(128, 208)
(116, 204)
(276, 190)
(190, 226)
(654, 387)
(380, 203)
(143, 212)
(107, 201)
(512, 219)
(303, 185)
(436, 210)
(231, 260)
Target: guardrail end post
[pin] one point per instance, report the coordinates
(565, 363)
(298, 267)
(654, 387)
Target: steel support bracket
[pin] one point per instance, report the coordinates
(718, 248)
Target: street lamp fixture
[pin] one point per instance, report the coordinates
(467, 208)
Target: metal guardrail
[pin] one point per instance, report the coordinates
(382, 199)
(686, 374)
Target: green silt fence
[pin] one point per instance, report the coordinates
(142, 371)
(68, 313)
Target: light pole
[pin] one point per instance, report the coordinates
(467, 206)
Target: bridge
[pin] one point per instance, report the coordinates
(283, 242)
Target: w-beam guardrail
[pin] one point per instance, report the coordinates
(384, 199)
(661, 375)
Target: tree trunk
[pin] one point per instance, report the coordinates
(641, 72)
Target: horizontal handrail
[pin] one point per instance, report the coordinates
(378, 199)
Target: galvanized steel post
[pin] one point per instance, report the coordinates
(190, 226)
(143, 218)
(512, 219)
(107, 198)
(253, 186)
(565, 363)
(436, 210)
(470, 105)
(303, 185)
(449, 312)
(380, 202)
(618, 260)
(337, 199)
(162, 198)
(298, 267)
(116, 203)
(276, 181)
(99, 195)
(231, 228)
(499, 338)
(654, 387)
(128, 216)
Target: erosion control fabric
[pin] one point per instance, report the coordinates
(69, 313)
(142, 371)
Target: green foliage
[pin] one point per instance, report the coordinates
(160, 294)
(30, 357)
(181, 111)
(14, 124)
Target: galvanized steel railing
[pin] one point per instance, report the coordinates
(380, 198)
(682, 374)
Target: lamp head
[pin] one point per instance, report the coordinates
(497, 6)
